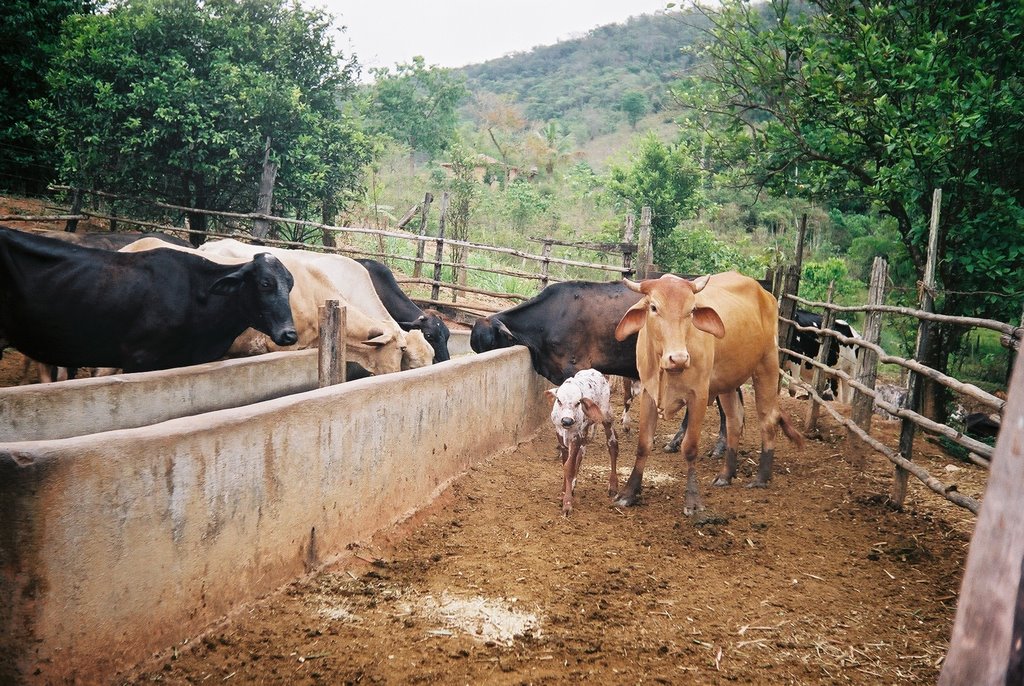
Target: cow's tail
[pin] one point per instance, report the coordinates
(790, 430)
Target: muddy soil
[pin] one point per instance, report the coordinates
(815, 580)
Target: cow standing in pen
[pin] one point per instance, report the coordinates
(695, 340)
(577, 406)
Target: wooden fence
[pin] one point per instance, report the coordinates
(784, 284)
(634, 255)
(871, 354)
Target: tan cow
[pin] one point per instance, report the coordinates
(697, 340)
(377, 350)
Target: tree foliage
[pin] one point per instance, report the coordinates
(662, 177)
(173, 99)
(634, 106)
(417, 104)
(29, 38)
(889, 101)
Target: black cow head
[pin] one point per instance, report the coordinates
(434, 330)
(491, 334)
(263, 285)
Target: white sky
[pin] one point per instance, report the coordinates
(454, 33)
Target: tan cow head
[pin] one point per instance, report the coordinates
(669, 312)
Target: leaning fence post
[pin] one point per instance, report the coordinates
(867, 363)
(915, 384)
(818, 379)
(76, 207)
(435, 290)
(417, 270)
(644, 248)
(787, 309)
(545, 263)
(332, 352)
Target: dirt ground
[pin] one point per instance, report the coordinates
(814, 580)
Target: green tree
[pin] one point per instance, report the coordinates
(417, 104)
(173, 100)
(634, 106)
(888, 101)
(29, 36)
(664, 178)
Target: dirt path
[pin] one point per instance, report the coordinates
(812, 581)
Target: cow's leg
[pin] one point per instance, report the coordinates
(569, 469)
(767, 403)
(645, 439)
(673, 445)
(613, 455)
(563, 449)
(719, 448)
(732, 414)
(696, 407)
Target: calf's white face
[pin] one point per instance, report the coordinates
(571, 411)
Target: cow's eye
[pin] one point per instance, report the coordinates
(654, 309)
(265, 283)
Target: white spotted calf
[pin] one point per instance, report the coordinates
(577, 406)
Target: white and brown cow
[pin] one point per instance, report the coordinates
(698, 339)
(577, 406)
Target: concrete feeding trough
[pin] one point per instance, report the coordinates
(178, 495)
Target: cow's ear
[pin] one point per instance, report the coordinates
(632, 321)
(592, 411)
(706, 319)
(551, 394)
(507, 333)
(230, 284)
(226, 285)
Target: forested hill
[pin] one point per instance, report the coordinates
(595, 71)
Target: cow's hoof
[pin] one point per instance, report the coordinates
(626, 500)
(756, 483)
(689, 511)
(671, 448)
(721, 481)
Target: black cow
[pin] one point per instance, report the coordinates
(73, 306)
(109, 240)
(567, 327)
(842, 357)
(404, 311)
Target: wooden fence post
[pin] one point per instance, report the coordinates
(545, 264)
(985, 646)
(862, 406)
(332, 352)
(915, 384)
(645, 247)
(76, 207)
(799, 256)
(787, 309)
(818, 379)
(265, 194)
(435, 290)
(417, 270)
(627, 240)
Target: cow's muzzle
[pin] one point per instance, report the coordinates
(286, 337)
(568, 421)
(675, 361)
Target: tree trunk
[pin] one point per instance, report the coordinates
(197, 222)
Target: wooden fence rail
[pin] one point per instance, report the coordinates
(863, 382)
